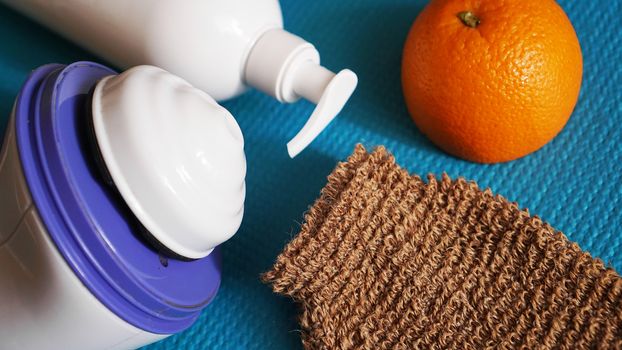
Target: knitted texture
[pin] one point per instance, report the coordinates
(386, 260)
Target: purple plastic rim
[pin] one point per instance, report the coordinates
(92, 230)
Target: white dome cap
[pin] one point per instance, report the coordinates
(175, 155)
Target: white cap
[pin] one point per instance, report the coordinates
(175, 155)
(287, 67)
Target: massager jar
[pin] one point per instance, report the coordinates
(76, 269)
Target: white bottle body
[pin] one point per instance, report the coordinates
(206, 42)
(43, 304)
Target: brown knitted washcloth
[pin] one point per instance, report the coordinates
(388, 261)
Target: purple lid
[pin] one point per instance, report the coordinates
(90, 225)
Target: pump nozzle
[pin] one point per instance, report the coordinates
(329, 91)
(287, 67)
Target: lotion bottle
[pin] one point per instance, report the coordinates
(219, 46)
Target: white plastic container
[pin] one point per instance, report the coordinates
(43, 304)
(109, 230)
(220, 46)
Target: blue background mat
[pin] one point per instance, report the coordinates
(575, 182)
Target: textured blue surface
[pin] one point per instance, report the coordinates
(575, 182)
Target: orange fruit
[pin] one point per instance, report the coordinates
(491, 81)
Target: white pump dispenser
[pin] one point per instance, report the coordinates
(288, 67)
(219, 46)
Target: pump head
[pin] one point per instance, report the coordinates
(287, 67)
